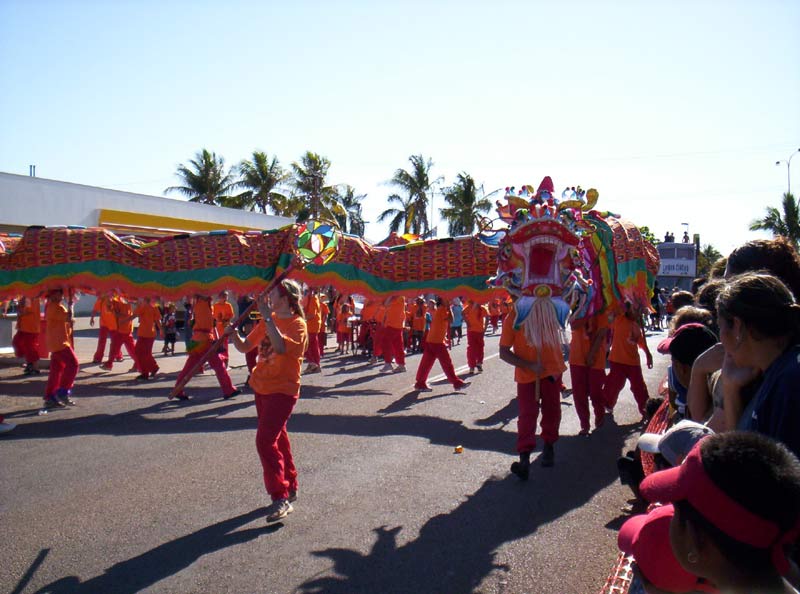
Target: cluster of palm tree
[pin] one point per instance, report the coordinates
(785, 222)
(262, 184)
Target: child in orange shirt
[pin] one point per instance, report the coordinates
(435, 349)
(475, 316)
(149, 328)
(324, 312)
(313, 313)
(342, 328)
(26, 339)
(283, 338)
(63, 362)
(108, 324)
(223, 314)
(394, 322)
(628, 338)
(417, 324)
(122, 335)
(494, 314)
(587, 365)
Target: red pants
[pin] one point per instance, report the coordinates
(377, 341)
(101, 343)
(474, 349)
(216, 363)
(550, 395)
(393, 345)
(321, 342)
(144, 355)
(117, 341)
(272, 443)
(494, 320)
(616, 381)
(432, 352)
(26, 346)
(63, 369)
(587, 384)
(251, 358)
(312, 352)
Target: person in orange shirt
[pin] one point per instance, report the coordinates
(313, 313)
(122, 335)
(628, 337)
(342, 328)
(324, 312)
(203, 338)
(104, 305)
(377, 337)
(63, 362)
(435, 349)
(366, 328)
(534, 372)
(494, 314)
(149, 327)
(475, 316)
(223, 314)
(418, 312)
(394, 322)
(587, 368)
(282, 336)
(26, 339)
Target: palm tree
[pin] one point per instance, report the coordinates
(262, 178)
(205, 180)
(309, 184)
(465, 205)
(786, 223)
(417, 184)
(351, 210)
(403, 215)
(706, 258)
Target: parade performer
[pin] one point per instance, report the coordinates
(343, 329)
(149, 328)
(282, 337)
(223, 314)
(324, 312)
(63, 362)
(475, 315)
(170, 327)
(26, 339)
(494, 314)
(108, 323)
(587, 364)
(313, 313)
(435, 350)
(628, 338)
(203, 337)
(418, 312)
(122, 335)
(394, 322)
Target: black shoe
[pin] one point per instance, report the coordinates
(548, 455)
(232, 394)
(141, 377)
(521, 468)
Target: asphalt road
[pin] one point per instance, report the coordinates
(129, 492)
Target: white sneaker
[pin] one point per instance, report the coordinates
(387, 368)
(5, 427)
(279, 510)
(400, 369)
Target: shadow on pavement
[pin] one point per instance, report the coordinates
(456, 551)
(138, 573)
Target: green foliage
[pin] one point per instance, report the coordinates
(349, 216)
(205, 180)
(403, 214)
(262, 179)
(648, 235)
(706, 258)
(467, 204)
(417, 184)
(319, 200)
(785, 222)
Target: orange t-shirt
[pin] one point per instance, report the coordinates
(108, 317)
(148, 315)
(475, 318)
(626, 341)
(368, 311)
(203, 322)
(341, 322)
(582, 337)
(396, 313)
(313, 311)
(418, 319)
(324, 312)
(552, 358)
(124, 310)
(29, 318)
(275, 373)
(57, 335)
(223, 314)
(440, 322)
(380, 314)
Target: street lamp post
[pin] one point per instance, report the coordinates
(788, 170)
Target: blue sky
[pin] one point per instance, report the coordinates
(675, 111)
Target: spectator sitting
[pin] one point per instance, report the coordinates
(777, 256)
(690, 314)
(707, 299)
(680, 299)
(759, 324)
(684, 346)
(736, 500)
